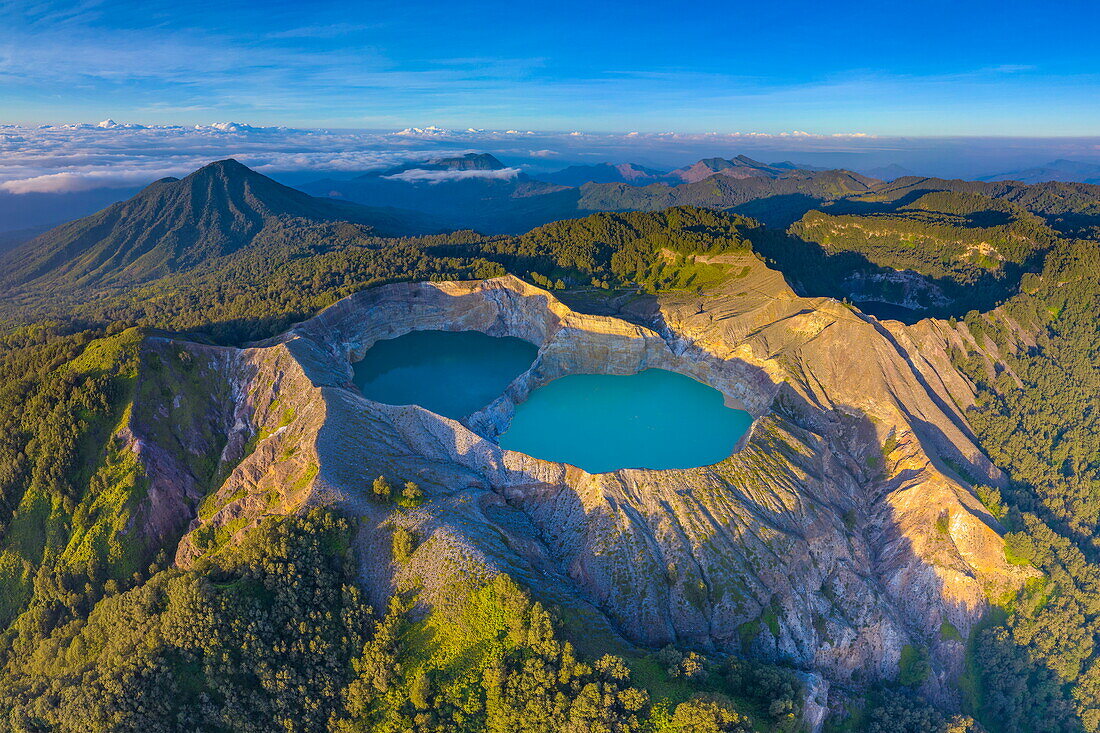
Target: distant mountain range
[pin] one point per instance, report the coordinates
(740, 167)
(175, 225)
(578, 175)
(887, 172)
(467, 162)
(776, 201)
(225, 211)
(473, 191)
(479, 192)
(1057, 170)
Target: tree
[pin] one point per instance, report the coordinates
(403, 545)
(382, 488)
(991, 498)
(709, 714)
(420, 691)
(411, 495)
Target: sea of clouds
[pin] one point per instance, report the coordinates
(82, 157)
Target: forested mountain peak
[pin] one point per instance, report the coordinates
(175, 224)
(227, 167)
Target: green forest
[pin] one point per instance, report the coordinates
(1039, 668)
(274, 634)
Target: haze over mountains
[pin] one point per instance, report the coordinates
(26, 211)
(53, 173)
(741, 166)
(1057, 170)
(56, 172)
(477, 191)
(474, 191)
(578, 175)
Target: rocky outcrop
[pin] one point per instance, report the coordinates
(842, 529)
(178, 428)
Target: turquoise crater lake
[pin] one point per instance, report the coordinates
(654, 419)
(451, 373)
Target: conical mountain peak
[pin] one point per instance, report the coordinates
(174, 224)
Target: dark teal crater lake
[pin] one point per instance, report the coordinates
(452, 373)
(654, 419)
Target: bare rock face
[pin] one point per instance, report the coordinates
(841, 530)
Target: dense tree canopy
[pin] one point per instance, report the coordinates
(1037, 416)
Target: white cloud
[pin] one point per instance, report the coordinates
(1008, 69)
(420, 175)
(80, 157)
(331, 30)
(71, 182)
(429, 131)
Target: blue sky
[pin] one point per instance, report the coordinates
(884, 68)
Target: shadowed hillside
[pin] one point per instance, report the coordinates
(1071, 208)
(775, 200)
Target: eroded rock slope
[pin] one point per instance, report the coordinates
(843, 529)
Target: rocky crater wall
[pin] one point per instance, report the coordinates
(569, 342)
(834, 537)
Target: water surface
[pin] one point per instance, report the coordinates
(653, 419)
(452, 373)
(889, 311)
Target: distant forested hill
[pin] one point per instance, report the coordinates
(774, 200)
(941, 253)
(1071, 208)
